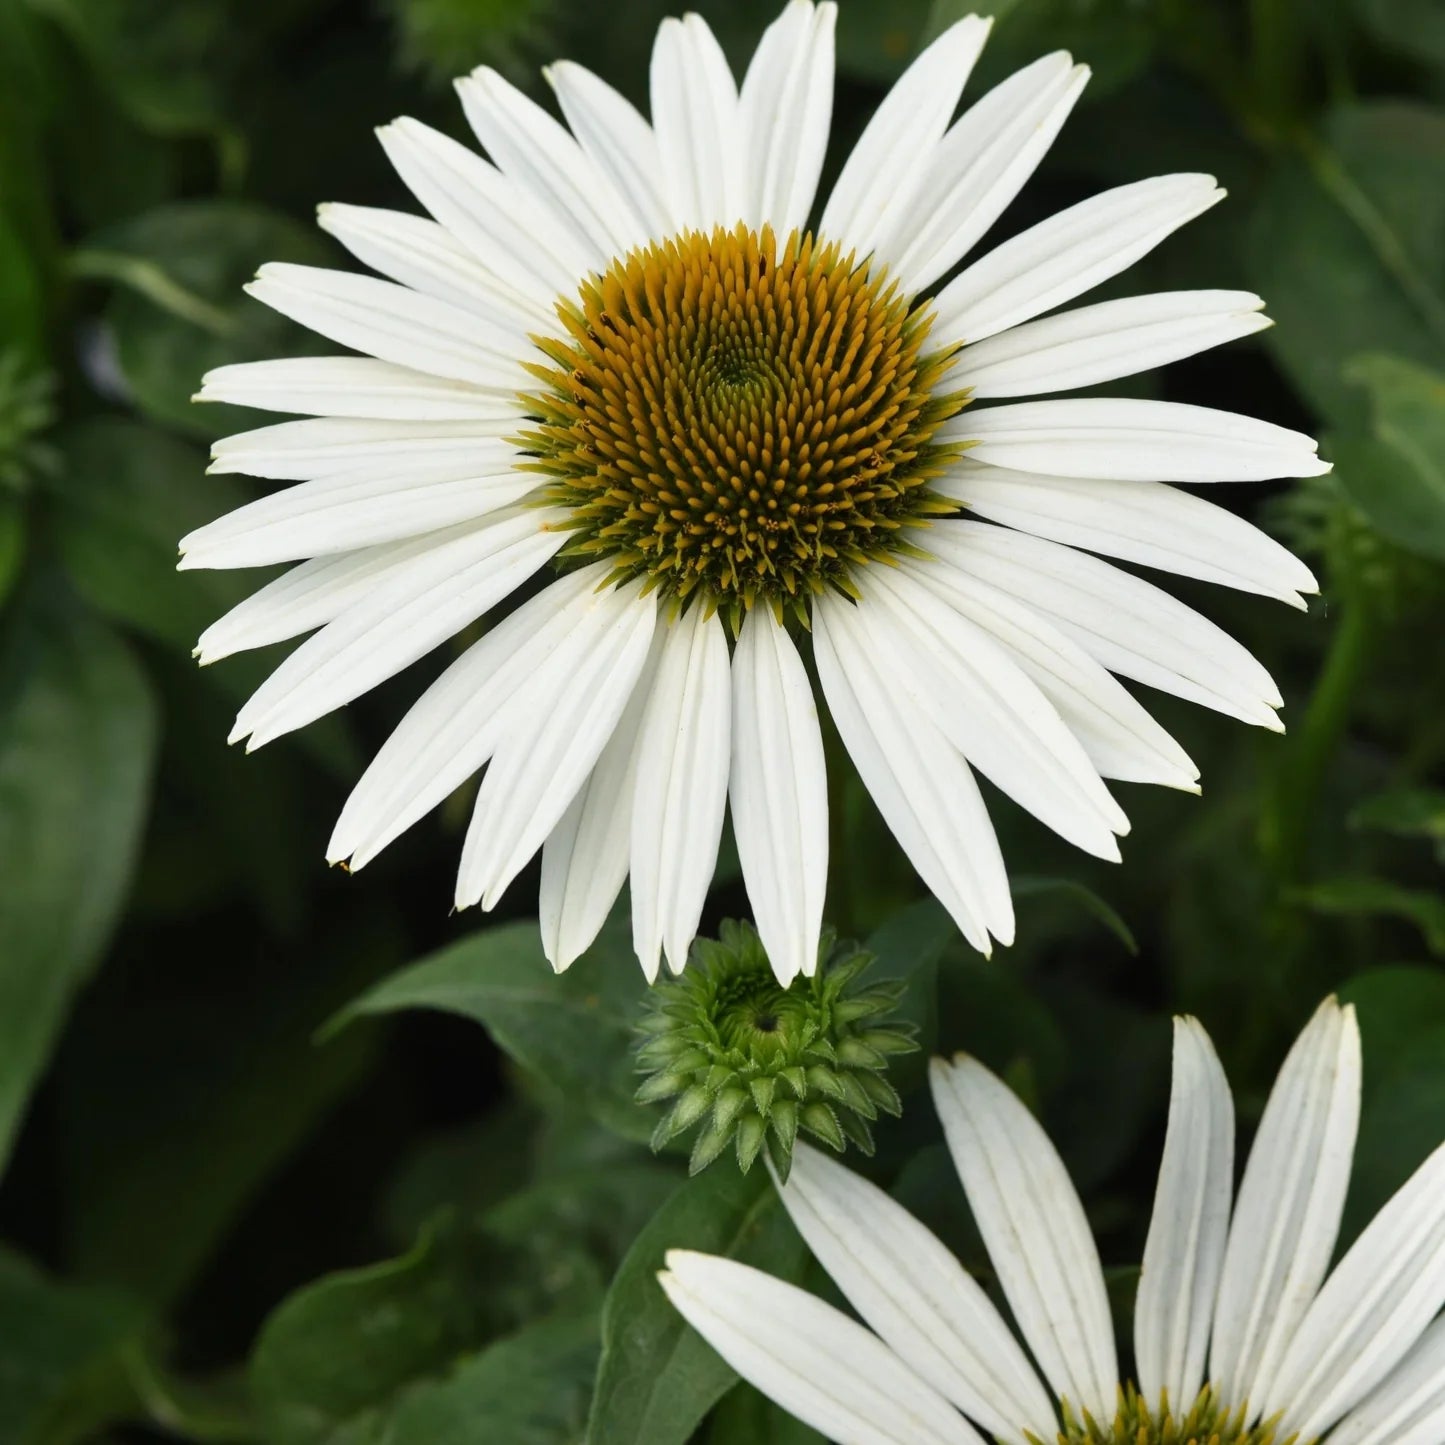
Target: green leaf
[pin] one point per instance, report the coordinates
(1402, 1026)
(1366, 896)
(62, 1350)
(1410, 812)
(77, 744)
(908, 947)
(657, 1378)
(1396, 473)
(1347, 244)
(529, 1389)
(1413, 27)
(574, 1031)
(1023, 887)
(179, 310)
(12, 543)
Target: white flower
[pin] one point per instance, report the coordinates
(1292, 1356)
(615, 347)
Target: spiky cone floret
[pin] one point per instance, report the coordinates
(750, 1062)
(1207, 1421)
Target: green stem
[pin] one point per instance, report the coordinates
(150, 281)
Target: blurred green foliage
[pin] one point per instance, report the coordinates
(440, 1223)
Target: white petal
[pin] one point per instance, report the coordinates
(1034, 1229)
(453, 728)
(989, 709)
(451, 584)
(1184, 1253)
(808, 1357)
(1112, 339)
(786, 105)
(1128, 625)
(585, 858)
(1372, 1309)
(352, 386)
(553, 735)
(393, 323)
(540, 156)
(1408, 1406)
(337, 446)
(508, 232)
(1116, 733)
(695, 117)
(779, 794)
(1149, 523)
(888, 165)
(1144, 440)
(1287, 1214)
(340, 514)
(917, 778)
(681, 794)
(1067, 255)
(426, 257)
(618, 141)
(305, 598)
(916, 1296)
(980, 166)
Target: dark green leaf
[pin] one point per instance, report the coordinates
(908, 947)
(1364, 897)
(1396, 474)
(1066, 889)
(1413, 27)
(574, 1031)
(658, 1378)
(529, 1389)
(179, 309)
(1412, 812)
(77, 743)
(61, 1355)
(1347, 244)
(12, 543)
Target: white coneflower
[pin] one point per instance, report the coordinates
(1239, 1337)
(620, 349)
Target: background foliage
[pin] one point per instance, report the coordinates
(436, 1220)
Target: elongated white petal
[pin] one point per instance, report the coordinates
(887, 166)
(1034, 1229)
(1372, 1309)
(438, 593)
(1067, 255)
(808, 1357)
(1144, 440)
(980, 166)
(586, 856)
(916, 1296)
(1111, 339)
(339, 514)
(1408, 1406)
(1184, 1253)
(1149, 523)
(453, 728)
(1287, 1215)
(554, 735)
(306, 597)
(393, 323)
(695, 118)
(779, 794)
(352, 386)
(681, 790)
(917, 778)
(493, 218)
(360, 449)
(1116, 733)
(785, 106)
(426, 257)
(617, 140)
(544, 160)
(990, 710)
(1128, 625)
(890, 162)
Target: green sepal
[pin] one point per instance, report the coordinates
(752, 1130)
(820, 1120)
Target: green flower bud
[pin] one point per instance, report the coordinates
(753, 1062)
